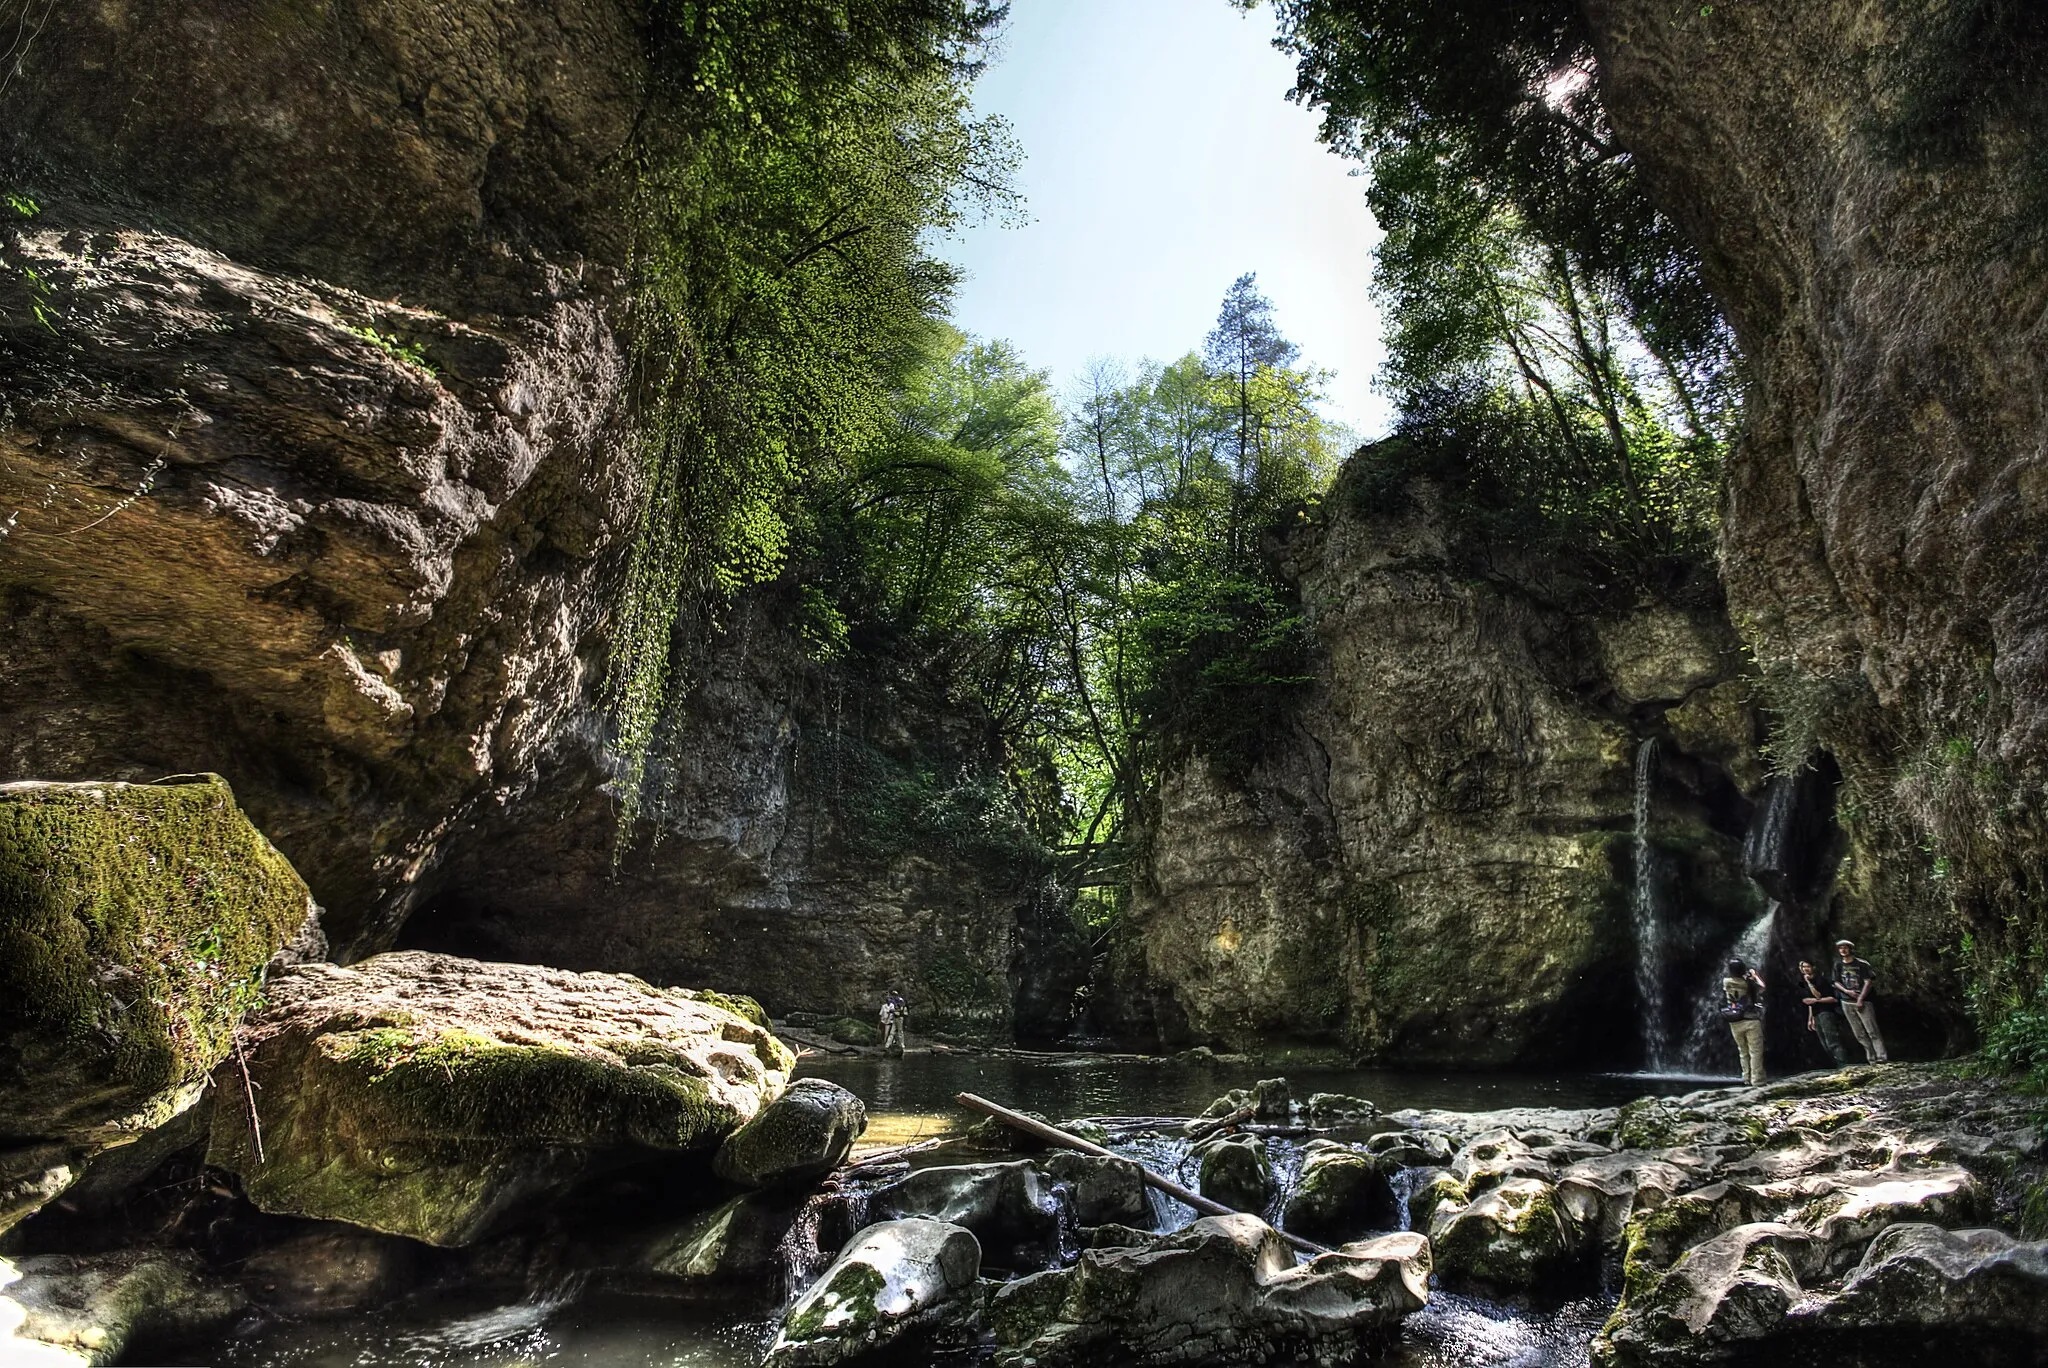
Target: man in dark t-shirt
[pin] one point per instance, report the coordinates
(1823, 1012)
(1853, 982)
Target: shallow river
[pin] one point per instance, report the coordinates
(913, 1098)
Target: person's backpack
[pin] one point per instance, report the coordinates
(1744, 1008)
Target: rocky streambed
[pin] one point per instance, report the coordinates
(216, 1146)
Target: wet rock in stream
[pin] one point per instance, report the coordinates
(1341, 1194)
(797, 1138)
(1010, 1207)
(896, 1283)
(1226, 1290)
(66, 1311)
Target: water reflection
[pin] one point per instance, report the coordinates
(918, 1090)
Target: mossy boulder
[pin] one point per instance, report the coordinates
(135, 924)
(1512, 1239)
(895, 1284)
(425, 1095)
(800, 1136)
(1236, 1172)
(1341, 1195)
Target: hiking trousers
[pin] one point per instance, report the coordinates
(892, 1037)
(1749, 1044)
(1863, 1025)
(1828, 1026)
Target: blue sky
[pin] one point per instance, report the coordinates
(1162, 160)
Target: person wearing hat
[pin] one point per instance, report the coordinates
(1853, 980)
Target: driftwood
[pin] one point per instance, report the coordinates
(1202, 1130)
(1053, 1135)
(895, 1154)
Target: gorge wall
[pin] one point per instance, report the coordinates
(315, 471)
(1436, 861)
(1884, 511)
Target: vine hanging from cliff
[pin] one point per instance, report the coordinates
(792, 159)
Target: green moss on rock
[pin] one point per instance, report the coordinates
(428, 1096)
(135, 923)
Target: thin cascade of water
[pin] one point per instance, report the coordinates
(1649, 928)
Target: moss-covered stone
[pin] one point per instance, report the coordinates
(135, 922)
(1511, 1239)
(424, 1095)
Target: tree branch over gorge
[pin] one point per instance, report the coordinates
(1553, 352)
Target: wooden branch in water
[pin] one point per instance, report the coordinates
(1053, 1135)
(894, 1154)
(1202, 1130)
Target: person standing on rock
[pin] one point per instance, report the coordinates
(895, 1015)
(1854, 979)
(1823, 1014)
(1744, 1013)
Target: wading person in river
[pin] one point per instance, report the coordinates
(1744, 1013)
(1854, 979)
(895, 1015)
(1823, 1013)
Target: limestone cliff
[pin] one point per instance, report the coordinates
(315, 469)
(1884, 510)
(1435, 862)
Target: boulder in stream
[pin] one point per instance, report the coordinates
(1236, 1172)
(425, 1095)
(1511, 1238)
(1225, 1290)
(1009, 1207)
(1100, 1191)
(135, 924)
(894, 1285)
(1342, 1193)
(800, 1136)
(72, 1311)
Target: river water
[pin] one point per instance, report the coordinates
(910, 1099)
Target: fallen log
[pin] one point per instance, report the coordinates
(1053, 1135)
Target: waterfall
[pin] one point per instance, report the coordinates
(1706, 1037)
(1651, 966)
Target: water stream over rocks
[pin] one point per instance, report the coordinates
(571, 1323)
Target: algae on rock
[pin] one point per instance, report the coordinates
(427, 1096)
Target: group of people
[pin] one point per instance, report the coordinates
(1841, 995)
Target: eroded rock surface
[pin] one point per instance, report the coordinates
(1225, 1290)
(426, 1096)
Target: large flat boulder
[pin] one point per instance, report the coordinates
(427, 1096)
(135, 924)
(1225, 1290)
